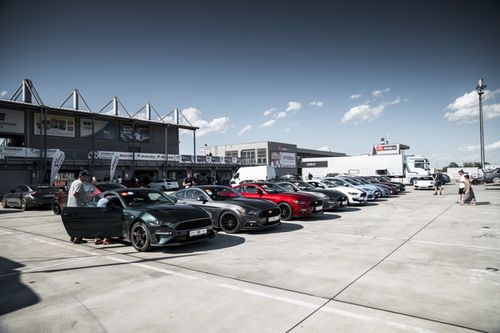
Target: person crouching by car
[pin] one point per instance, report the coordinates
(77, 197)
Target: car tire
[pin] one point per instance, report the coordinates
(412, 181)
(24, 204)
(56, 209)
(496, 180)
(378, 194)
(4, 203)
(229, 223)
(140, 237)
(285, 211)
(163, 188)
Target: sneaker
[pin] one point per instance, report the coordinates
(98, 242)
(79, 241)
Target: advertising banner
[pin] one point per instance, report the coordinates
(103, 130)
(283, 159)
(142, 133)
(56, 125)
(114, 163)
(57, 161)
(11, 121)
(25, 152)
(186, 158)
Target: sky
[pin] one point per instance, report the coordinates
(330, 75)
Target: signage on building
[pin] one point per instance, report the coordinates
(141, 134)
(385, 150)
(25, 152)
(103, 130)
(56, 125)
(283, 160)
(315, 164)
(11, 121)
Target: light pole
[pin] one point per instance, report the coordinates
(480, 91)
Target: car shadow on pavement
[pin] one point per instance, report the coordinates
(14, 295)
(322, 217)
(482, 203)
(348, 210)
(221, 241)
(283, 227)
(9, 211)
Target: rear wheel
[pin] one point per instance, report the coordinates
(4, 203)
(140, 237)
(24, 204)
(412, 181)
(56, 209)
(286, 211)
(496, 180)
(377, 194)
(229, 223)
(163, 188)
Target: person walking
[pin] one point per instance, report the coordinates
(77, 197)
(438, 183)
(469, 197)
(461, 186)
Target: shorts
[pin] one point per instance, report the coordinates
(461, 190)
(438, 184)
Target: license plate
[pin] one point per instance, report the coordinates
(197, 232)
(318, 208)
(48, 195)
(274, 218)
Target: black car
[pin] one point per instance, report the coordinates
(492, 176)
(144, 217)
(231, 211)
(331, 198)
(29, 196)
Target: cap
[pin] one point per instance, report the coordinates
(83, 173)
(461, 171)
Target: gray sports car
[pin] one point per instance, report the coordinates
(231, 211)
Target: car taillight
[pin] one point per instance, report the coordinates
(35, 194)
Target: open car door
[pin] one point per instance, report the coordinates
(90, 222)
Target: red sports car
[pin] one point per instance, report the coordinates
(61, 198)
(291, 204)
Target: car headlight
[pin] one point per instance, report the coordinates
(299, 202)
(322, 196)
(151, 219)
(352, 193)
(244, 211)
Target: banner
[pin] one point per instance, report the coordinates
(103, 130)
(25, 152)
(57, 161)
(56, 125)
(140, 134)
(11, 121)
(283, 160)
(114, 163)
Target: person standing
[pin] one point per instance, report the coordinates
(188, 181)
(77, 197)
(461, 186)
(438, 183)
(469, 197)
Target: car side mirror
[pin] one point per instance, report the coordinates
(260, 192)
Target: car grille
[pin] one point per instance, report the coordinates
(193, 224)
(363, 194)
(270, 212)
(316, 203)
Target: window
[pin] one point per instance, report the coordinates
(248, 155)
(249, 189)
(262, 156)
(231, 153)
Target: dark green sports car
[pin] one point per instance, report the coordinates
(144, 217)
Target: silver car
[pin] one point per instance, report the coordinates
(231, 212)
(165, 184)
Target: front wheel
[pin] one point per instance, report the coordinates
(24, 204)
(378, 194)
(56, 209)
(412, 181)
(140, 237)
(229, 223)
(4, 203)
(496, 180)
(286, 211)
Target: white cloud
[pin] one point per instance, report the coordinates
(319, 104)
(280, 115)
(293, 106)
(472, 148)
(268, 123)
(216, 125)
(268, 112)
(465, 109)
(355, 96)
(324, 148)
(244, 129)
(365, 112)
(3, 93)
(379, 93)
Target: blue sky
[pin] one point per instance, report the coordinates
(320, 74)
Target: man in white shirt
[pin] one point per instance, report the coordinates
(77, 197)
(461, 186)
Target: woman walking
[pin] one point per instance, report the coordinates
(469, 197)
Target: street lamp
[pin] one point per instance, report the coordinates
(480, 91)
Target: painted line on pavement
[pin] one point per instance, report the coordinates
(3, 232)
(72, 248)
(457, 245)
(161, 270)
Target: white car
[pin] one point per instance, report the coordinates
(354, 195)
(425, 182)
(165, 184)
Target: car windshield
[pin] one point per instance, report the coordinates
(109, 186)
(273, 188)
(329, 183)
(350, 181)
(221, 193)
(144, 197)
(304, 186)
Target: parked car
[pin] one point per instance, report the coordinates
(354, 195)
(290, 204)
(331, 198)
(231, 211)
(378, 189)
(144, 217)
(61, 198)
(29, 196)
(165, 184)
(372, 193)
(424, 182)
(393, 189)
(492, 176)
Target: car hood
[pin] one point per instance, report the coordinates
(329, 192)
(251, 203)
(171, 213)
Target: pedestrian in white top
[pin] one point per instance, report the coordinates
(77, 197)
(461, 186)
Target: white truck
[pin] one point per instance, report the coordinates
(399, 167)
(253, 173)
